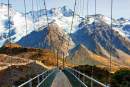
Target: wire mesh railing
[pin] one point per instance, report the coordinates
(74, 80)
(85, 79)
(47, 81)
(33, 82)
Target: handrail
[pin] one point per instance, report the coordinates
(88, 77)
(45, 78)
(30, 80)
(78, 79)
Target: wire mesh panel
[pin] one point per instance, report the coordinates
(33, 82)
(47, 81)
(74, 80)
(86, 80)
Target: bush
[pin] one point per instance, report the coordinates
(121, 78)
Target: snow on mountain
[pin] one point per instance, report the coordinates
(126, 30)
(99, 18)
(61, 16)
(124, 26)
(66, 11)
(20, 26)
(16, 22)
(122, 20)
(98, 35)
(120, 31)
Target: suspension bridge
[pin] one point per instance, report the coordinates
(65, 76)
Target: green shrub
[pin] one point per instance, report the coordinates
(121, 78)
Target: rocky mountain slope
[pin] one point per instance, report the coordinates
(94, 32)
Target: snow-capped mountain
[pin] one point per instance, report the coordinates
(123, 26)
(61, 16)
(54, 38)
(16, 22)
(120, 25)
(93, 32)
(101, 37)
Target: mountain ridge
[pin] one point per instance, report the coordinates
(93, 32)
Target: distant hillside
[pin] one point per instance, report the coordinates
(12, 45)
(118, 79)
(16, 75)
(80, 55)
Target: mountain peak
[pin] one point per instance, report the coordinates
(79, 47)
(65, 8)
(61, 11)
(55, 12)
(66, 11)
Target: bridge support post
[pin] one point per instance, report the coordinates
(57, 58)
(38, 80)
(63, 60)
(30, 84)
(108, 85)
(83, 79)
(42, 77)
(91, 76)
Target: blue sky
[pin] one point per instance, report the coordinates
(120, 8)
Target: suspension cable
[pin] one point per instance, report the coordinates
(38, 17)
(39, 44)
(46, 13)
(26, 27)
(72, 22)
(110, 66)
(40, 7)
(48, 26)
(87, 13)
(87, 3)
(73, 17)
(95, 7)
(37, 10)
(43, 44)
(9, 36)
(95, 27)
(47, 20)
(9, 23)
(87, 7)
(77, 12)
(25, 10)
(83, 9)
(80, 7)
(33, 14)
(51, 47)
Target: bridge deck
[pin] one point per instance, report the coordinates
(61, 80)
